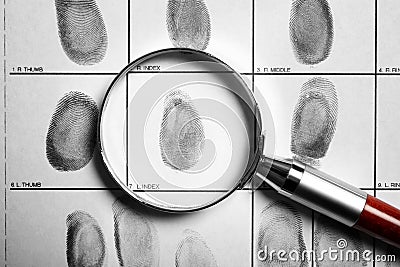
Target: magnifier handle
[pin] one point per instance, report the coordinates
(333, 198)
(380, 220)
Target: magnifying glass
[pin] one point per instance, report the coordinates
(180, 131)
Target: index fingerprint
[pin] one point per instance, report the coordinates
(194, 252)
(136, 238)
(85, 241)
(81, 30)
(331, 234)
(181, 133)
(281, 228)
(71, 137)
(314, 120)
(311, 30)
(188, 23)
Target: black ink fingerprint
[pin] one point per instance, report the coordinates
(314, 120)
(81, 30)
(181, 133)
(188, 23)
(311, 30)
(280, 228)
(330, 234)
(193, 251)
(71, 136)
(136, 238)
(85, 241)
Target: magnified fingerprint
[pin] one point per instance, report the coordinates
(188, 23)
(136, 238)
(331, 234)
(280, 228)
(311, 30)
(314, 120)
(193, 251)
(181, 133)
(85, 241)
(71, 136)
(81, 30)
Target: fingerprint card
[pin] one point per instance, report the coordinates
(66, 36)
(281, 225)
(314, 36)
(107, 229)
(178, 118)
(60, 114)
(308, 109)
(388, 17)
(389, 256)
(73, 228)
(352, 247)
(201, 25)
(2, 150)
(338, 245)
(388, 145)
(310, 80)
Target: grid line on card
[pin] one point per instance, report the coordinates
(65, 189)
(5, 226)
(252, 254)
(5, 240)
(156, 190)
(190, 72)
(126, 131)
(252, 89)
(129, 31)
(127, 96)
(312, 236)
(5, 129)
(375, 95)
(118, 189)
(61, 73)
(375, 110)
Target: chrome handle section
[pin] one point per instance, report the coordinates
(326, 194)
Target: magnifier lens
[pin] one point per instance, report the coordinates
(179, 130)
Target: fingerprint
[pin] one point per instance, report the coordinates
(85, 241)
(193, 252)
(281, 228)
(188, 23)
(136, 239)
(82, 31)
(331, 234)
(71, 137)
(181, 133)
(311, 30)
(314, 120)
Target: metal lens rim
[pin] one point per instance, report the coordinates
(241, 182)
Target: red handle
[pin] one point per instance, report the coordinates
(380, 220)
